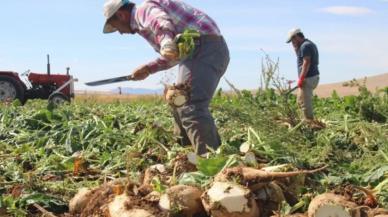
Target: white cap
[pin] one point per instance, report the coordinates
(292, 33)
(110, 8)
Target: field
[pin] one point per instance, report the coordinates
(48, 153)
(372, 83)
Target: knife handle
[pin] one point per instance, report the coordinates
(130, 77)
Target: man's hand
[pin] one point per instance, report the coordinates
(170, 51)
(141, 73)
(301, 81)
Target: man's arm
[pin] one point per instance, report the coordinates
(160, 24)
(161, 64)
(306, 52)
(306, 66)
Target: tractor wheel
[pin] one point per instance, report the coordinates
(58, 99)
(10, 90)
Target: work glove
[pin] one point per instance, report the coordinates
(169, 50)
(141, 73)
(301, 81)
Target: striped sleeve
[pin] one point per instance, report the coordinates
(159, 22)
(161, 64)
(154, 18)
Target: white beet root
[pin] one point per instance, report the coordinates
(250, 159)
(225, 199)
(180, 100)
(280, 168)
(192, 158)
(159, 167)
(79, 201)
(245, 147)
(176, 97)
(252, 175)
(292, 215)
(330, 204)
(120, 207)
(182, 199)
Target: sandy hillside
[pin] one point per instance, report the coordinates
(372, 82)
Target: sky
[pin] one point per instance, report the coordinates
(351, 35)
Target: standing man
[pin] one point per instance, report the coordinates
(159, 22)
(308, 61)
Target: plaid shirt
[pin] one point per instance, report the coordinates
(159, 21)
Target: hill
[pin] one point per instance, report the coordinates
(372, 83)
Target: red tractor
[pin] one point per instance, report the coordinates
(54, 87)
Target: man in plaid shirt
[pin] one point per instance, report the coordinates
(159, 21)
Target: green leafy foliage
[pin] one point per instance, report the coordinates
(211, 166)
(51, 203)
(186, 42)
(194, 179)
(40, 147)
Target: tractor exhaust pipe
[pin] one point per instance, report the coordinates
(48, 65)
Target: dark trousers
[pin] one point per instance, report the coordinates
(203, 70)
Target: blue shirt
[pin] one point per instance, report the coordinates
(308, 49)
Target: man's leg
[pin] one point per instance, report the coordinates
(306, 97)
(184, 76)
(203, 72)
(179, 131)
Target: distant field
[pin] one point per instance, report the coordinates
(102, 97)
(372, 83)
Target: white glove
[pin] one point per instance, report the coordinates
(169, 50)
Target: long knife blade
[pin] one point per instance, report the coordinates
(110, 81)
(291, 90)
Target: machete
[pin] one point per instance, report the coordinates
(111, 80)
(291, 90)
